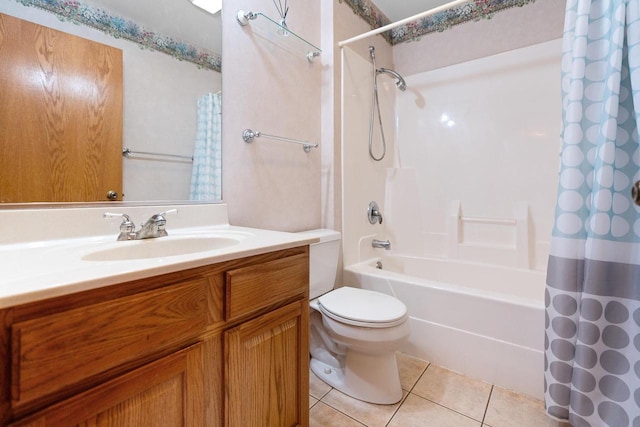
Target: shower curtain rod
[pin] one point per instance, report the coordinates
(388, 27)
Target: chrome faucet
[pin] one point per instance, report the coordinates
(154, 227)
(385, 244)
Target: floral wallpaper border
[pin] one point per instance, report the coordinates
(472, 11)
(119, 27)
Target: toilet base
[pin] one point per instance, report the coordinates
(370, 378)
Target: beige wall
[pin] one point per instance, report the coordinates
(269, 86)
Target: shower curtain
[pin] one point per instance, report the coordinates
(592, 340)
(206, 183)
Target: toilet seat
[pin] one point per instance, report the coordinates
(361, 307)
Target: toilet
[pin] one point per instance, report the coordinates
(354, 333)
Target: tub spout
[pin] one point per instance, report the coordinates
(381, 244)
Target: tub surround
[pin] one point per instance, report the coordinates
(42, 250)
(462, 120)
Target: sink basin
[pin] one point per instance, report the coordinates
(160, 248)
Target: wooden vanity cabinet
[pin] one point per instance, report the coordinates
(221, 345)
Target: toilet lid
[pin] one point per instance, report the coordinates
(362, 307)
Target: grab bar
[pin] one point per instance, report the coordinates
(248, 136)
(127, 152)
(487, 220)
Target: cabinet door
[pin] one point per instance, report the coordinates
(168, 392)
(267, 369)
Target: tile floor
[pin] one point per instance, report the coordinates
(433, 397)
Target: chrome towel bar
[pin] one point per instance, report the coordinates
(127, 152)
(248, 136)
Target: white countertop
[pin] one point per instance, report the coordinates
(33, 269)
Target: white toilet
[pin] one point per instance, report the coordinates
(354, 332)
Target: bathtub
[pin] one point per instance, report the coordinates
(484, 321)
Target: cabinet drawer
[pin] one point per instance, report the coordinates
(251, 288)
(63, 350)
(162, 393)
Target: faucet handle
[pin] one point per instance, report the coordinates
(125, 218)
(160, 219)
(373, 213)
(126, 227)
(170, 211)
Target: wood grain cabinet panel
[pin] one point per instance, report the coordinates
(168, 392)
(58, 351)
(267, 365)
(251, 288)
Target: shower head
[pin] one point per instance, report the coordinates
(400, 83)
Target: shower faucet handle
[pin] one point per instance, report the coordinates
(374, 214)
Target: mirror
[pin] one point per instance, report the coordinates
(160, 90)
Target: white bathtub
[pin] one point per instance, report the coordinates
(481, 320)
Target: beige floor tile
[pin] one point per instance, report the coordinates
(367, 413)
(507, 409)
(317, 387)
(322, 415)
(418, 412)
(410, 369)
(312, 401)
(455, 391)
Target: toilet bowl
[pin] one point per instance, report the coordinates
(354, 333)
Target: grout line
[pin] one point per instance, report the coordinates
(398, 408)
(419, 378)
(487, 407)
(409, 392)
(326, 394)
(317, 400)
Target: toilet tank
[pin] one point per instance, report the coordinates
(323, 261)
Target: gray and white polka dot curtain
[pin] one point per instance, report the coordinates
(592, 340)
